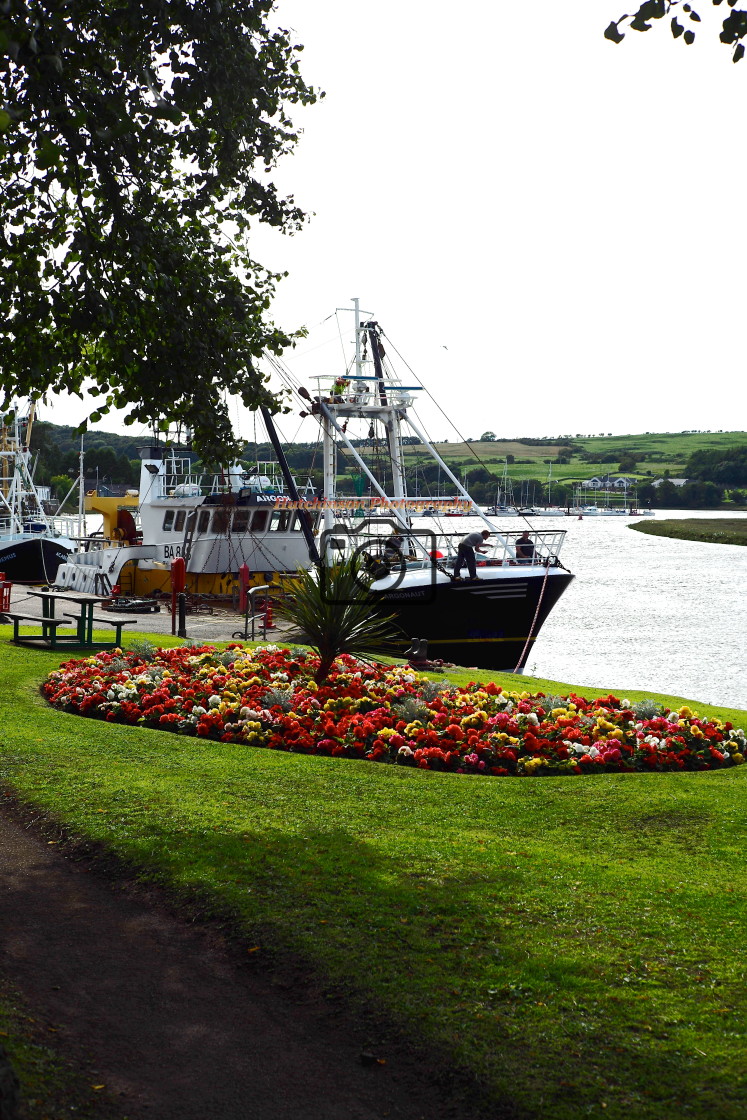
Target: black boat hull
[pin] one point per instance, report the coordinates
(32, 559)
(488, 624)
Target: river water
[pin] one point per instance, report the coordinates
(643, 612)
(646, 612)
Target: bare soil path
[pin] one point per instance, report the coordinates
(174, 1017)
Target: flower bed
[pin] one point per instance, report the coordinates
(267, 697)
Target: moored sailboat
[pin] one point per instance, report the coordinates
(33, 542)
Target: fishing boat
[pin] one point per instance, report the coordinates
(491, 621)
(33, 542)
(235, 520)
(219, 524)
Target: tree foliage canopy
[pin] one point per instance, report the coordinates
(137, 139)
(727, 466)
(733, 26)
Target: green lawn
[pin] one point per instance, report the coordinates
(575, 943)
(721, 530)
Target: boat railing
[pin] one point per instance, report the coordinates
(364, 392)
(423, 548)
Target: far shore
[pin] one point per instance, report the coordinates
(717, 530)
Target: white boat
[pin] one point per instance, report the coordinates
(33, 542)
(218, 524)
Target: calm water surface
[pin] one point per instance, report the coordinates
(647, 612)
(643, 612)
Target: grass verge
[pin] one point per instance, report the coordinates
(574, 943)
(718, 530)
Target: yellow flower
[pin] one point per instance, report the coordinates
(737, 759)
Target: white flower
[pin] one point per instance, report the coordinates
(213, 701)
(198, 710)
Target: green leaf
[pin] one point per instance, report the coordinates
(613, 34)
(689, 38)
(677, 28)
(4, 120)
(48, 155)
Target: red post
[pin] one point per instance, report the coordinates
(243, 587)
(5, 587)
(178, 583)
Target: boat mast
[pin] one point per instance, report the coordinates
(290, 482)
(81, 487)
(391, 422)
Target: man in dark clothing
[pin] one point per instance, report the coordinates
(466, 553)
(393, 548)
(524, 548)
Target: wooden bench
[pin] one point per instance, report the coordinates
(117, 623)
(48, 635)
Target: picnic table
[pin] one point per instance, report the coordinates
(82, 619)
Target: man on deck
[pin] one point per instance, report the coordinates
(466, 553)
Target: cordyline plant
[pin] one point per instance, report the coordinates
(334, 613)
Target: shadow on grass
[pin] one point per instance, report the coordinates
(541, 1030)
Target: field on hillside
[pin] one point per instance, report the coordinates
(670, 451)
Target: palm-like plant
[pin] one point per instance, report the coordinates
(333, 613)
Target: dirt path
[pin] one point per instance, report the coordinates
(173, 1017)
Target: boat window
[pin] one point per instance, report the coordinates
(281, 520)
(203, 521)
(191, 518)
(260, 519)
(240, 520)
(179, 523)
(221, 520)
(168, 519)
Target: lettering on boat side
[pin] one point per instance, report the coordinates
(364, 505)
(171, 551)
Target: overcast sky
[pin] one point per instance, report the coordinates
(548, 226)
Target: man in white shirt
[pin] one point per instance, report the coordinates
(466, 553)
